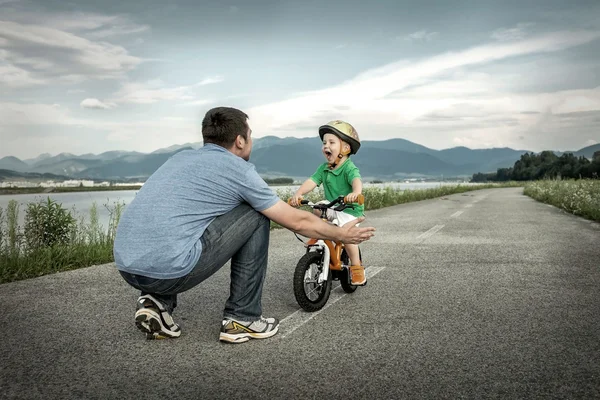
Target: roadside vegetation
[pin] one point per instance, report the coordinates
(376, 198)
(580, 197)
(65, 189)
(53, 239)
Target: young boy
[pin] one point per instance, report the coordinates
(339, 176)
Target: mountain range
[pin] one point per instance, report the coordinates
(291, 157)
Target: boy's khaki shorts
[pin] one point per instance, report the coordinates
(338, 217)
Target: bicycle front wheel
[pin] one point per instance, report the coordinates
(310, 294)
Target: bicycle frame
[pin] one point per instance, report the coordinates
(332, 255)
(332, 251)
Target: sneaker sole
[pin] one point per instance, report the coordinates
(244, 337)
(149, 323)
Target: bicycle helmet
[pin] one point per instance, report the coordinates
(344, 131)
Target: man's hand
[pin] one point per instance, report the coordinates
(353, 235)
(352, 197)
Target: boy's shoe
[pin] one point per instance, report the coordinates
(233, 331)
(153, 318)
(357, 275)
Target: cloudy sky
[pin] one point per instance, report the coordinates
(91, 76)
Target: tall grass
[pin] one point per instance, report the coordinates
(52, 240)
(376, 198)
(580, 197)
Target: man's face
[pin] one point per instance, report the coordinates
(248, 147)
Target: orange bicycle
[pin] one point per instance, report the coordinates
(324, 262)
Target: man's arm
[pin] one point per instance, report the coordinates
(309, 225)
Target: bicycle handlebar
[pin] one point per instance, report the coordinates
(341, 200)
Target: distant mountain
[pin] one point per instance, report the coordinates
(121, 168)
(13, 163)
(69, 166)
(485, 159)
(31, 161)
(10, 175)
(109, 155)
(588, 152)
(375, 162)
(176, 147)
(398, 144)
(291, 157)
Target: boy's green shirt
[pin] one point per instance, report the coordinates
(338, 182)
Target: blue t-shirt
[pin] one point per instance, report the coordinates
(159, 232)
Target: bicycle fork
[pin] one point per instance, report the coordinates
(326, 249)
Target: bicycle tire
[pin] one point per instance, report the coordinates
(321, 291)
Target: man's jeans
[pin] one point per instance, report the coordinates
(241, 235)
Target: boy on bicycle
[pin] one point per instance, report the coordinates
(340, 177)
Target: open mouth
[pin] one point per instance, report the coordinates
(328, 154)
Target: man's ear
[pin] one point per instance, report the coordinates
(239, 142)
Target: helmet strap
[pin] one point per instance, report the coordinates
(336, 162)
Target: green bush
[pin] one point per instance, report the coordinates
(48, 224)
(52, 241)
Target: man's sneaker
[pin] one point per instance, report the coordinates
(154, 319)
(233, 331)
(357, 275)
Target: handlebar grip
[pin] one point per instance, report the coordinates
(360, 200)
(289, 201)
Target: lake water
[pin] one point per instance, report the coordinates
(82, 202)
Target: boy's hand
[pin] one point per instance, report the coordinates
(295, 200)
(352, 197)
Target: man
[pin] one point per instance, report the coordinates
(200, 209)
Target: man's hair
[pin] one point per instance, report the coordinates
(221, 125)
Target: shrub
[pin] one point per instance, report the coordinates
(48, 224)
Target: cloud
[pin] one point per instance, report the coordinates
(210, 80)
(37, 54)
(13, 114)
(234, 9)
(425, 99)
(96, 104)
(156, 90)
(14, 77)
(422, 35)
(197, 103)
(515, 33)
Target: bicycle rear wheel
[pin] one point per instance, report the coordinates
(310, 294)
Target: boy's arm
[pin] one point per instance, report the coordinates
(356, 190)
(306, 187)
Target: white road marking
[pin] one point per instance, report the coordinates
(295, 320)
(468, 205)
(430, 232)
(456, 214)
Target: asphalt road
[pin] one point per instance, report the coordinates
(487, 294)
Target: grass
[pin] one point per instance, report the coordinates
(89, 243)
(580, 197)
(44, 246)
(376, 198)
(65, 189)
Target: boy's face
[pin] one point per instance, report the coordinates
(332, 146)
